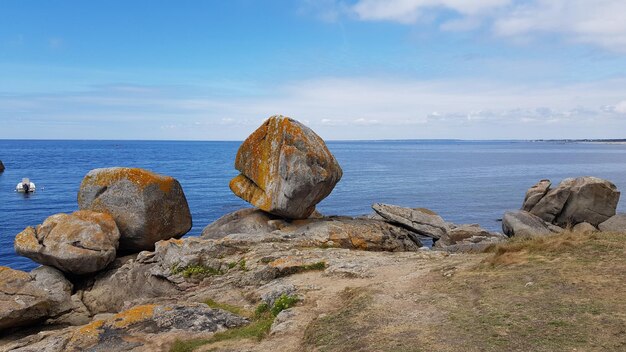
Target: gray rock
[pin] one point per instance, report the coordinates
(616, 223)
(286, 169)
(27, 299)
(551, 205)
(147, 207)
(272, 291)
(80, 243)
(535, 193)
(248, 220)
(523, 223)
(469, 234)
(584, 228)
(592, 200)
(423, 221)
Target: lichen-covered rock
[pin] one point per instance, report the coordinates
(616, 223)
(29, 298)
(535, 193)
(286, 169)
(79, 243)
(523, 223)
(574, 200)
(147, 207)
(423, 221)
(468, 236)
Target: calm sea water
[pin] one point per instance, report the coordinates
(465, 182)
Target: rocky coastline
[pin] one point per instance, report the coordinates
(118, 275)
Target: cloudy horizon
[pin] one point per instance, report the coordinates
(366, 69)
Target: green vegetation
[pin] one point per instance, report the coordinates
(314, 266)
(261, 322)
(195, 271)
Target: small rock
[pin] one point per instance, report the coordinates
(79, 243)
(1, 166)
(584, 228)
(616, 223)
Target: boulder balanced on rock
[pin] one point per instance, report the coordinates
(286, 169)
(147, 207)
(79, 243)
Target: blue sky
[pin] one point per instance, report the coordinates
(358, 69)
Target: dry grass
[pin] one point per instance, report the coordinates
(558, 293)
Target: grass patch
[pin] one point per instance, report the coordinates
(261, 322)
(314, 266)
(195, 271)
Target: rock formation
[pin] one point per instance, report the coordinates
(468, 238)
(80, 243)
(523, 223)
(286, 169)
(147, 207)
(583, 199)
(420, 220)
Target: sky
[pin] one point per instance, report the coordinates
(349, 69)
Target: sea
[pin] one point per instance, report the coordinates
(464, 181)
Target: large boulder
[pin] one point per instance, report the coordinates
(80, 243)
(615, 223)
(535, 193)
(286, 169)
(583, 199)
(420, 220)
(523, 223)
(147, 207)
(29, 298)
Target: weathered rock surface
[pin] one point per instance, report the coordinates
(248, 220)
(468, 238)
(147, 207)
(422, 221)
(583, 199)
(616, 223)
(523, 223)
(149, 327)
(79, 243)
(584, 228)
(535, 193)
(28, 298)
(286, 169)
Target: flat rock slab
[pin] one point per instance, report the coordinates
(420, 220)
(147, 207)
(79, 243)
(469, 235)
(286, 169)
(523, 223)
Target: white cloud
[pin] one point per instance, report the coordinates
(338, 108)
(597, 22)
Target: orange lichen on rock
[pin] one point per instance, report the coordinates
(132, 316)
(142, 178)
(27, 239)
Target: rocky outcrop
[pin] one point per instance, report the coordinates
(286, 169)
(523, 223)
(150, 327)
(147, 207)
(583, 199)
(616, 223)
(80, 243)
(471, 237)
(28, 298)
(420, 220)
(535, 193)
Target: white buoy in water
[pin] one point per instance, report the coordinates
(25, 186)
